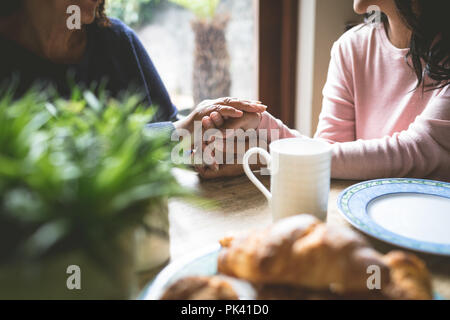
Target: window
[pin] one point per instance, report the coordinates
(192, 69)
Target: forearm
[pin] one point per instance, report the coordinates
(419, 152)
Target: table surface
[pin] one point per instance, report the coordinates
(234, 205)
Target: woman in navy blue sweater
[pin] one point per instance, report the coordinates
(37, 46)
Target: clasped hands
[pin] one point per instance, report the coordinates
(226, 126)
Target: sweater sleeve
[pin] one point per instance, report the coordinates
(337, 118)
(421, 151)
(151, 80)
(271, 129)
(164, 128)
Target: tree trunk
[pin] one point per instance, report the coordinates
(211, 75)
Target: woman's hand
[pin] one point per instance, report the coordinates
(224, 170)
(219, 111)
(221, 148)
(249, 120)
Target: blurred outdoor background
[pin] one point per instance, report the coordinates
(166, 32)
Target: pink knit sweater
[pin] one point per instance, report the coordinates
(378, 124)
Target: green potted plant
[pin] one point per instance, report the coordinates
(78, 179)
(211, 75)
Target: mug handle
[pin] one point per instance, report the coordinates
(250, 173)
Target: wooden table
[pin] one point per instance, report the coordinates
(234, 205)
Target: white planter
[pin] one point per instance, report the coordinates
(47, 279)
(152, 241)
(144, 250)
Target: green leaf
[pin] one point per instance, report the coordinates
(201, 8)
(92, 101)
(44, 238)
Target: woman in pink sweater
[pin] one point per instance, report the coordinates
(386, 105)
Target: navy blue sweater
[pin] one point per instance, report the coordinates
(113, 55)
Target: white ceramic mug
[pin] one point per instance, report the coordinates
(300, 176)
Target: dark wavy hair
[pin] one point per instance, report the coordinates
(101, 18)
(8, 7)
(429, 46)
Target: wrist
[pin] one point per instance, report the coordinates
(185, 123)
(262, 123)
(260, 117)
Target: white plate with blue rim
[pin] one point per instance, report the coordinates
(409, 213)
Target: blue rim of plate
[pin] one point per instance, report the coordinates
(353, 202)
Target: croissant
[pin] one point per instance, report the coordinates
(300, 258)
(200, 288)
(302, 251)
(410, 278)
